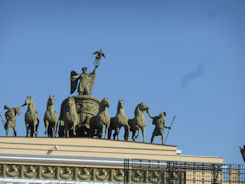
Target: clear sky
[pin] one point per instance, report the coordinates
(183, 57)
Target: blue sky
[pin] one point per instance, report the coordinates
(183, 57)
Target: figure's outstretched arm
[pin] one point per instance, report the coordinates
(18, 108)
(94, 71)
(164, 125)
(75, 77)
(149, 114)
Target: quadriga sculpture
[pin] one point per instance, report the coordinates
(118, 121)
(69, 117)
(102, 119)
(31, 118)
(139, 121)
(50, 118)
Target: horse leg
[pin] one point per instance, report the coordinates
(116, 133)
(133, 135)
(61, 129)
(100, 131)
(32, 130)
(92, 130)
(50, 130)
(74, 128)
(143, 133)
(46, 126)
(34, 127)
(55, 129)
(15, 133)
(152, 138)
(27, 129)
(109, 133)
(35, 124)
(106, 130)
(27, 132)
(126, 134)
(66, 131)
(138, 132)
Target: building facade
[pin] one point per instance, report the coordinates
(87, 160)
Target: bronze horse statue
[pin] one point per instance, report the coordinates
(139, 121)
(118, 121)
(31, 118)
(50, 118)
(69, 117)
(102, 119)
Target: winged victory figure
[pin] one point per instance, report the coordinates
(99, 55)
(86, 81)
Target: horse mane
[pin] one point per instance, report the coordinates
(138, 114)
(102, 105)
(136, 109)
(48, 103)
(118, 108)
(32, 104)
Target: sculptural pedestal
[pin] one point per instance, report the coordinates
(78, 160)
(86, 106)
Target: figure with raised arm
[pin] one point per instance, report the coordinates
(10, 118)
(159, 123)
(86, 81)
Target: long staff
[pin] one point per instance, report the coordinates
(169, 130)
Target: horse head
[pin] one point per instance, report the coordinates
(51, 100)
(120, 104)
(105, 102)
(28, 101)
(143, 107)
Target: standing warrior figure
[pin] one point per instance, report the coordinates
(10, 118)
(86, 81)
(98, 57)
(159, 123)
